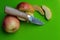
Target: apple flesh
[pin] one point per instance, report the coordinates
(48, 13)
(11, 24)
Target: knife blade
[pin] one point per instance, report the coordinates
(35, 20)
(15, 12)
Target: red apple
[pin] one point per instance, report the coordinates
(11, 24)
(26, 7)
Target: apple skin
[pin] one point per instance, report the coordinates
(26, 7)
(11, 24)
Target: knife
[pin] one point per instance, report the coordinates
(15, 12)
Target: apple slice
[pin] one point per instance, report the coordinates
(21, 18)
(47, 11)
(39, 9)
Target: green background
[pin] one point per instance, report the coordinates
(28, 31)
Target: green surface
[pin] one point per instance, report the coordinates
(28, 31)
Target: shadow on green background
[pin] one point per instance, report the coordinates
(28, 31)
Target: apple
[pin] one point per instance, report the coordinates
(11, 24)
(48, 13)
(25, 7)
(39, 9)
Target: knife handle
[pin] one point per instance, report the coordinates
(15, 12)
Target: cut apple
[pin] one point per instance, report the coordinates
(39, 9)
(21, 18)
(47, 11)
(25, 7)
